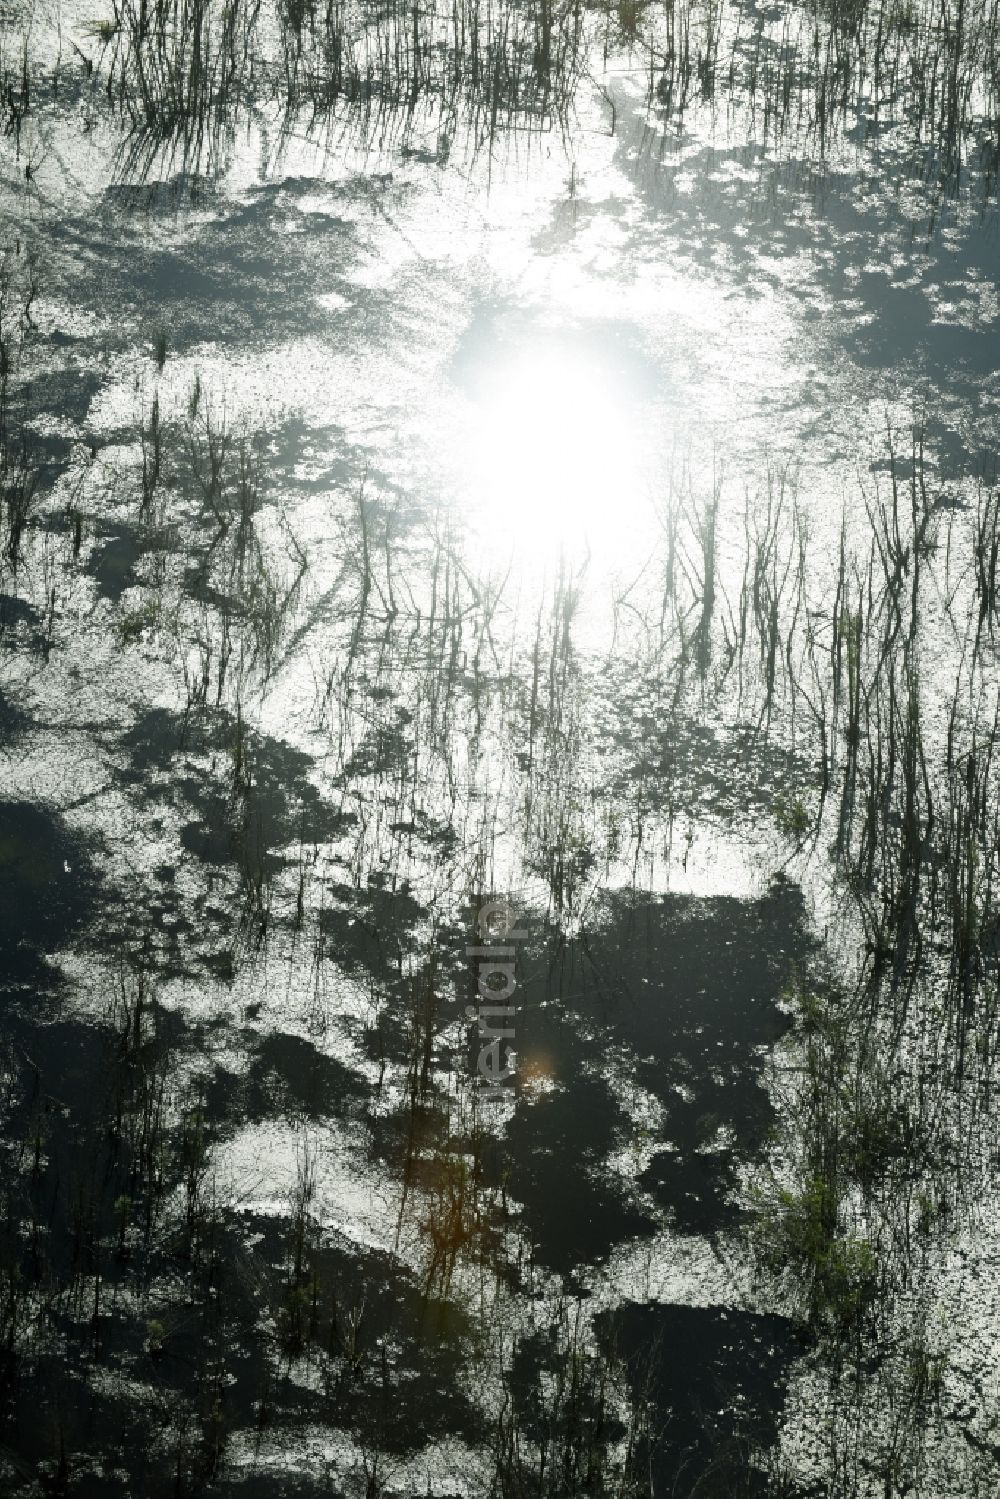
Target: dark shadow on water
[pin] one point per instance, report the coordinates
(286, 1076)
(113, 562)
(20, 621)
(715, 1379)
(672, 995)
(47, 889)
(12, 721)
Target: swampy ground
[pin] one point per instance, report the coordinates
(504, 484)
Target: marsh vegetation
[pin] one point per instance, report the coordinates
(286, 696)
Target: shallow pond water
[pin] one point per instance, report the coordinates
(536, 460)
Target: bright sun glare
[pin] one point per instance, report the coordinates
(552, 463)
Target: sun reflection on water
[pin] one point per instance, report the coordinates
(554, 456)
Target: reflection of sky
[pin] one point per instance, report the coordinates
(676, 253)
(535, 342)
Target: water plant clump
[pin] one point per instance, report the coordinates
(428, 67)
(182, 77)
(819, 71)
(18, 468)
